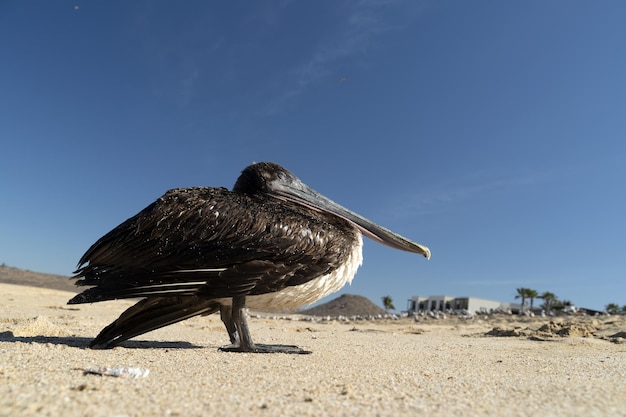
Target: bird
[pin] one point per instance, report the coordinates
(272, 243)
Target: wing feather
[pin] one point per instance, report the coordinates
(212, 242)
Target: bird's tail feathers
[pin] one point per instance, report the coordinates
(104, 293)
(150, 314)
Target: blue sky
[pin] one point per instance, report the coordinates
(491, 131)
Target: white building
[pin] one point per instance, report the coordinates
(448, 303)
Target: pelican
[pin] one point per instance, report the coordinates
(272, 243)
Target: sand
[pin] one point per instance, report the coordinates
(381, 368)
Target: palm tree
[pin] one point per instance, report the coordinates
(612, 308)
(388, 303)
(548, 300)
(531, 294)
(523, 294)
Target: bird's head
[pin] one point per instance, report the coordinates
(268, 178)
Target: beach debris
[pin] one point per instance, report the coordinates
(619, 337)
(567, 329)
(547, 331)
(118, 371)
(506, 332)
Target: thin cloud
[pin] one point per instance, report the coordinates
(449, 196)
(363, 22)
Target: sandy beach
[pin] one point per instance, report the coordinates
(573, 367)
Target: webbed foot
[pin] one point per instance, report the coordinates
(262, 348)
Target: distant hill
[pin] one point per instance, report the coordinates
(11, 275)
(345, 305)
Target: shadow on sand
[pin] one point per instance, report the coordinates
(83, 342)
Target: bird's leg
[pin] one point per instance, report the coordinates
(226, 314)
(241, 323)
(244, 343)
(237, 327)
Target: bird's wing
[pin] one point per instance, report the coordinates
(207, 241)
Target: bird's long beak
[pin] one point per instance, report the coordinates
(300, 193)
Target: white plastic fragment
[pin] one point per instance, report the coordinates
(122, 371)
